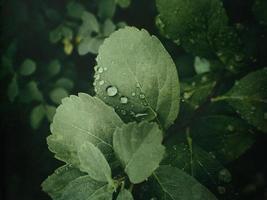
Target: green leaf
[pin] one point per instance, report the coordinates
(194, 92)
(259, 9)
(195, 161)
(138, 147)
(31, 92)
(249, 97)
(53, 68)
(123, 3)
(50, 111)
(82, 119)
(177, 185)
(201, 26)
(225, 137)
(55, 184)
(108, 27)
(65, 83)
(137, 76)
(125, 195)
(13, 89)
(75, 9)
(201, 65)
(37, 116)
(89, 45)
(57, 94)
(28, 67)
(85, 188)
(94, 163)
(106, 8)
(89, 25)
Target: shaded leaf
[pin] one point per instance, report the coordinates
(89, 45)
(28, 67)
(37, 116)
(13, 89)
(57, 94)
(125, 195)
(138, 147)
(55, 184)
(176, 184)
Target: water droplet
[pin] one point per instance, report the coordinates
(97, 77)
(142, 96)
(230, 128)
(101, 82)
(124, 100)
(221, 189)
(265, 115)
(96, 90)
(100, 70)
(225, 176)
(141, 115)
(105, 69)
(94, 83)
(177, 41)
(204, 79)
(133, 94)
(187, 95)
(111, 91)
(174, 147)
(193, 84)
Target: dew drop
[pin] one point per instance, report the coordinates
(105, 69)
(101, 82)
(100, 70)
(187, 95)
(111, 91)
(97, 77)
(142, 96)
(123, 100)
(133, 94)
(225, 176)
(230, 128)
(94, 83)
(221, 189)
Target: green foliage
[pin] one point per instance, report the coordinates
(147, 84)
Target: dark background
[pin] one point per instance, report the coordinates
(26, 159)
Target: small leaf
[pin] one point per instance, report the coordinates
(82, 119)
(138, 147)
(53, 68)
(50, 112)
(90, 22)
(13, 89)
(57, 94)
(28, 67)
(125, 195)
(89, 45)
(55, 184)
(65, 83)
(75, 9)
(85, 188)
(108, 27)
(31, 93)
(37, 116)
(123, 3)
(140, 70)
(94, 163)
(176, 185)
(249, 97)
(202, 65)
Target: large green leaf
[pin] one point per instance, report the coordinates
(249, 97)
(137, 76)
(79, 119)
(94, 163)
(195, 161)
(55, 184)
(138, 147)
(201, 27)
(226, 137)
(85, 188)
(177, 185)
